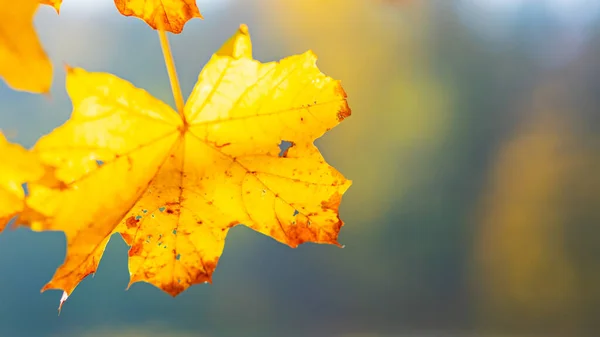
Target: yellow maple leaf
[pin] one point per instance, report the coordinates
(24, 64)
(169, 15)
(174, 184)
(18, 167)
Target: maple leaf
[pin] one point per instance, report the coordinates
(169, 15)
(22, 167)
(174, 184)
(24, 64)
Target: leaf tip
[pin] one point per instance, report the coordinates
(47, 95)
(239, 45)
(243, 29)
(53, 3)
(131, 281)
(68, 69)
(63, 299)
(312, 55)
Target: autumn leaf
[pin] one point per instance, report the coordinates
(24, 64)
(174, 184)
(54, 3)
(22, 167)
(169, 15)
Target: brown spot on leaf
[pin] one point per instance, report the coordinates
(135, 249)
(345, 112)
(172, 288)
(129, 163)
(339, 90)
(127, 238)
(299, 234)
(333, 203)
(88, 273)
(149, 275)
(131, 222)
(209, 268)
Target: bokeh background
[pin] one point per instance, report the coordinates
(474, 147)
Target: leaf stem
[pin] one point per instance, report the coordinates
(164, 44)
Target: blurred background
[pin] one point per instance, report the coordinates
(474, 147)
